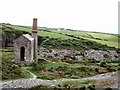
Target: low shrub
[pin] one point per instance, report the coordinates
(103, 64)
(44, 77)
(91, 87)
(74, 77)
(82, 68)
(97, 70)
(33, 64)
(38, 67)
(61, 68)
(83, 88)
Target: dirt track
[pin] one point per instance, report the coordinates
(28, 83)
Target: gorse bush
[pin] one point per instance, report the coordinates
(9, 35)
(9, 69)
(37, 66)
(82, 87)
(91, 87)
(96, 69)
(61, 68)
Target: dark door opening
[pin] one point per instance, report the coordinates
(22, 53)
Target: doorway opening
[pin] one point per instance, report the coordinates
(22, 53)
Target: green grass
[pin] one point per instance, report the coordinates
(52, 70)
(94, 84)
(108, 43)
(41, 33)
(105, 36)
(7, 53)
(10, 70)
(76, 33)
(75, 70)
(28, 29)
(105, 39)
(64, 70)
(54, 35)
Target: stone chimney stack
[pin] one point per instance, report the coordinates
(34, 28)
(34, 35)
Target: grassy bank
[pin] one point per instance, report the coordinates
(10, 70)
(75, 70)
(105, 39)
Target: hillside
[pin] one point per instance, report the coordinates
(84, 39)
(62, 54)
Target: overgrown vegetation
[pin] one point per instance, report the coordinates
(71, 69)
(81, 44)
(9, 35)
(75, 70)
(52, 38)
(76, 85)
(79, 83)
(9, 69)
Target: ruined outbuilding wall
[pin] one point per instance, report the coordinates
(28, 45)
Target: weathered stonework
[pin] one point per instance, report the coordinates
(26, 47)
(27, 43)
(34, 35)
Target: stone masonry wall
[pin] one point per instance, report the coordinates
(22, 41)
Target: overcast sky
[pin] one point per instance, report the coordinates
(88, 15)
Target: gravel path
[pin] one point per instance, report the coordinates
(28, 83)
(100, 76)
(117, 84)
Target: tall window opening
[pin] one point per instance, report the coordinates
(22, 53)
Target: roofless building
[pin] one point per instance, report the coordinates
(26, 46)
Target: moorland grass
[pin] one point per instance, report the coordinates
(105, 39)
(10, 70)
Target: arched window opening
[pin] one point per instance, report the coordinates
(22, 53)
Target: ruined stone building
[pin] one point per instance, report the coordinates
(25, 47)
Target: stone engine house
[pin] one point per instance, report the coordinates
(26, 46)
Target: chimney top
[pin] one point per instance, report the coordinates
(34, 27)
(34, 18)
